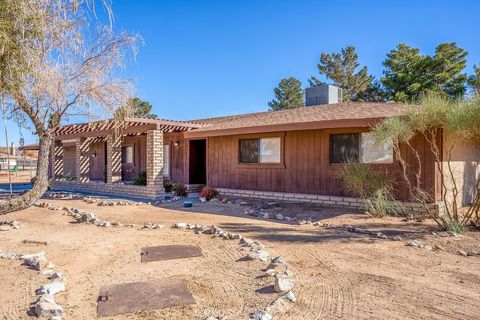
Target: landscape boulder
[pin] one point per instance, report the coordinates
(283, 283)
(261, 315)
(258, 253)
(48, 309)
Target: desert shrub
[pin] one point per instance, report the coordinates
(168, 186)
(455, 226)
(208, 193)
(180, 189)
(140, 179)
(374, 188)
(436, 114)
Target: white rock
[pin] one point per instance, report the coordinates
(247, 242)
(415, 243)
(48, 309)
(259, 254)
(279, 216)
(261, 315)
(283, 283)
(288, 297)
(4, 227)
(279, 260)
(181, 225)
(53, 287)
(47, 298)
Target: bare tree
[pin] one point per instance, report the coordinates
(56, 61)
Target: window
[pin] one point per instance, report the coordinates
(166, 160)
(263, 150)
(358, 147)
(127, 154)
(372, 152)
(344, 147)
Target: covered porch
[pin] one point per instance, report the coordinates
(130, 160)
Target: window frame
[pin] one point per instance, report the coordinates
(258, 165)
(133, 154)
(169, 167)
(330, 146)
(359, 131)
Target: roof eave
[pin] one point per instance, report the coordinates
(324, 124)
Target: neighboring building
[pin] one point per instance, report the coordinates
(289, 155)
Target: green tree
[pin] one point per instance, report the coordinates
(408, 74)
(374, 93)
(288, 95)
(138, 108)
(344, 70)
(474, 80)
(55, 62)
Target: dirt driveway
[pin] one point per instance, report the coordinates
(339, 274)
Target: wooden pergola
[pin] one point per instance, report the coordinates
(83, 136)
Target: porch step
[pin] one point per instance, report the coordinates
(195, 188)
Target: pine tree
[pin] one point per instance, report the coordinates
(138, 108)
(474, 80)
(342, 68)
(408, 74)
(288, 95)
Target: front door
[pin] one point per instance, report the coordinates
(198, 162)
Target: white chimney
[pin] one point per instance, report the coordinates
(324, 94)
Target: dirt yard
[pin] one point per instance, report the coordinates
(339, 274)
(23, 176)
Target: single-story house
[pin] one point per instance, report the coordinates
(292, 155)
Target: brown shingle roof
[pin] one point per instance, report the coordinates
(322, 116)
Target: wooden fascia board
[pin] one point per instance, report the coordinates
(326, 124)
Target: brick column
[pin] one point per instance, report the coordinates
(82, 163)
(114, 159)
(155, 160)
(57, 159)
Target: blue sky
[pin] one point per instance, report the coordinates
(212, 58)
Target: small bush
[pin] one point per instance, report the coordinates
(455, 226)
(140, 179)
(180, 189)
(208, 193)
(374, 188)
(168, 186)
(382, 203)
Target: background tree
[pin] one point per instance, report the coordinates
(288, 95)
(408, 74)
(56, 62)
(344, 70)
(138, 108)
(375, 92)
(474, 80)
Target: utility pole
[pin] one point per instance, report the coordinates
(4, 110)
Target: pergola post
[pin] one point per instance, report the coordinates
(57, 159)
(155, 161)
(82, 163)
(114, 158)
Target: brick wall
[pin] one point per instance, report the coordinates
(108, 189)
(328, 201)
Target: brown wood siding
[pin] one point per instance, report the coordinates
(306, 166)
